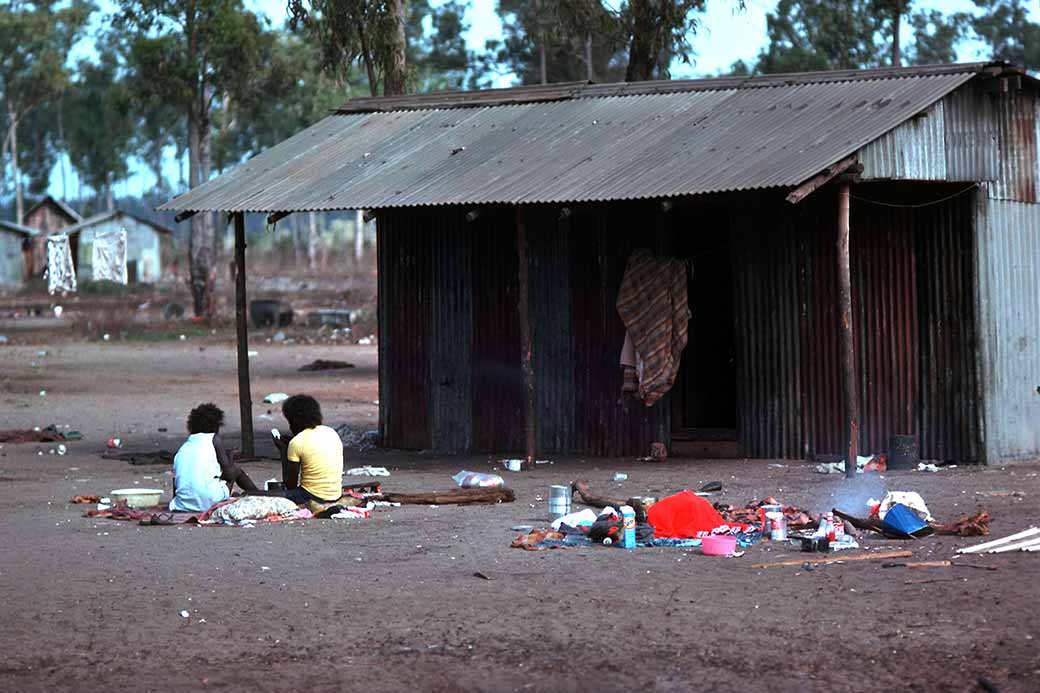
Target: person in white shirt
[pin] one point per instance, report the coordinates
(203, 473)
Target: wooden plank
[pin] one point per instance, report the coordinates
(821, 179)
(979, 548)
(245, 400)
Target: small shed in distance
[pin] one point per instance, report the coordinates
(15, 253)
(144, 240)
(48, 216)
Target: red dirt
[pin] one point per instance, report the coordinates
(392, 602)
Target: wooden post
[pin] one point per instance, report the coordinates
(523, 310)
(848, 344)
(245, 400)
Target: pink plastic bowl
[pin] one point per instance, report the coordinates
(718, 545)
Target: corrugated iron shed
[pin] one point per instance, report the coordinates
(580, 143)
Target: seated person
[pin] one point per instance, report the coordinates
(202, 465)
(312, 462)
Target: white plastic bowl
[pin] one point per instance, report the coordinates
(137, 497)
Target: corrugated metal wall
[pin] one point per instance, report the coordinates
(916, 150)
(404, 336)
(1018, 176)
(1008, 328)
(949, 399)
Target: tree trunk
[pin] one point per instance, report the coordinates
(897, 20)
(542, 71)
(589, 73)
(200, 240)
(312, 241)
(110, 194)
(12, 119)
(395, 79)
(642, 56)
(366, 56)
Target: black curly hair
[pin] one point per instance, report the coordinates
(302, 412)
(205, 418)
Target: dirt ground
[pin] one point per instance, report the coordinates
(392, 603)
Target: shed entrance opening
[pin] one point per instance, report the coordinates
(704, 407)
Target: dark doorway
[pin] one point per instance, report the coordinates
(704, 406)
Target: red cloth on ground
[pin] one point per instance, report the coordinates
(683, 516)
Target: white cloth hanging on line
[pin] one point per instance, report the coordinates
(61, 273)
(108, 256)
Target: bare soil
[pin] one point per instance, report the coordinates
(393, 602)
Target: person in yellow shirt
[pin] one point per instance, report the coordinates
(312, 461)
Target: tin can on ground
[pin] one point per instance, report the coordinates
(777, 526)
(764, 510)
(559, 501)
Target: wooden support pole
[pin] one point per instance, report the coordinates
(848, 344)
(245, 400)
(182, 216)
(523, 310)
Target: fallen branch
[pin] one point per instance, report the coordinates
(640, 505)
(836, 559)
(462, 496)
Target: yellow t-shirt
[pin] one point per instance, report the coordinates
(320, 454)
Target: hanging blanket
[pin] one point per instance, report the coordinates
(653, 306)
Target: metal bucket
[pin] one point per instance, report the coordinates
(559, 501)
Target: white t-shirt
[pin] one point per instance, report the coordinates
(197, 475)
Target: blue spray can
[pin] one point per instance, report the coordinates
(628, 527)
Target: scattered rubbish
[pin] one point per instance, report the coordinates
(465, 479)
(172, 311)
(329, 317)
(874, 463)
(185, 614)
(513, 465)
(658, 452)
(354, 439)
(278, 336)
(62, 449)
(620, 476)
(106, 337)
(521, 528)
(50, 434)
(926, 467)
(583, 518)
(114, 443)
(776, 525)
(481, 575)
(911, 499)
(58, 310)
(976, 525)
(368, 471)
(776, 465)
(711, 487)
(1031, 532)
(275, 397)
(365, 341)
(43, 393)
(836, 559)
(252, 354)
(815, 544)
(901, 521)
(628, 527)
(559, 500)
(78, 500)
(325, 365)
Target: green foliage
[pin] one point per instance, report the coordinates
(1005, 27)
(936, 37)
(99, 94)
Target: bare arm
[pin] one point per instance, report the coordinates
(229, 470)
(290, 470)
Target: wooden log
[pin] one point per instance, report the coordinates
(821, 179)
(848, 345)
(836, 559)
(460, 496)
(245, 399)
(523, 310)
(584, 491)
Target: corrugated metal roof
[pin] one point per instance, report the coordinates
(579, 143)
(106, 216)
